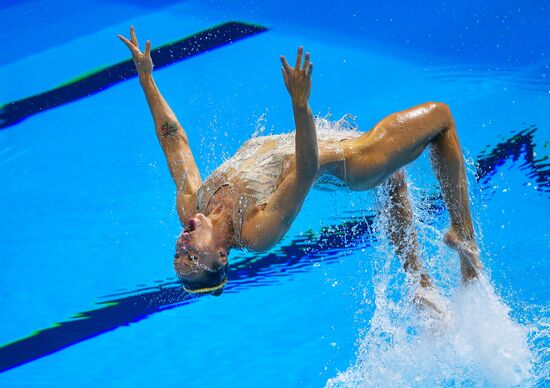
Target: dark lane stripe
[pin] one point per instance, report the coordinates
(518, 146)
(130, 307)
(215, 37)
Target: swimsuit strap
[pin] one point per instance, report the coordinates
(212, 196)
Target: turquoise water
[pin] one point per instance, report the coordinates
(89, 224)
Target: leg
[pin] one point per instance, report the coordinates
(398, 140)
(398, 221)
(448, 164)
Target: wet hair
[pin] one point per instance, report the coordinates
(210, 281)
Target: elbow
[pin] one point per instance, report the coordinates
(307, 165)
(309, 172)
(175, 141)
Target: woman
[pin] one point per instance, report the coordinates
(251, 200)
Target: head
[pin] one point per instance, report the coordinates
(201, 255)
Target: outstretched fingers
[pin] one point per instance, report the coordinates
(285, 76)
(306, 63)
(284, 62)
(299, 58)
(134, 37)
(309, 70)
(130, 45)
(285, 69)
(290, 72)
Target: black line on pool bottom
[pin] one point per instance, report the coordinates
(126, 308)
(215, 37)
(522, 144)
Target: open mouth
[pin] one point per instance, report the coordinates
(184, 238)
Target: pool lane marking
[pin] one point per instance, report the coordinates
(522, 144)
(124, 309)
(99, 80)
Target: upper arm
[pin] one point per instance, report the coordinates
(267, 225)
(182, 166)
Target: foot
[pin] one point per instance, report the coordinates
(430, 302)
(470, 264)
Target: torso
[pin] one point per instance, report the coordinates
(257, 169)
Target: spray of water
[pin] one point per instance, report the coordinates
(474, 342)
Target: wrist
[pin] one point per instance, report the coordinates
(145, 78)
(299, 103)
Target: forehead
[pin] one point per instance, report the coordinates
(193, 280)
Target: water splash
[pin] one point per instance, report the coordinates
(326, 127)
(260, 126)
(475, 343)
(479, 344)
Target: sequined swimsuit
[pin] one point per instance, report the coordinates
(256, 170)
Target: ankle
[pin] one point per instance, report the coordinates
(464, 234)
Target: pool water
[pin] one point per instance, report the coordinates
(87, 212)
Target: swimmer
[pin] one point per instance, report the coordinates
(251, 200)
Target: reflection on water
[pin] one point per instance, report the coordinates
(519, 146)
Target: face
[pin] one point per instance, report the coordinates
(196, 250)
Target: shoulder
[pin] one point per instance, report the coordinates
(261, 230)
(250, 234)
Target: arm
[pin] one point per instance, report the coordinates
(170, 133)
(267, 226)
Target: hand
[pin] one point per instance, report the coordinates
(298, 79)
(143, 61)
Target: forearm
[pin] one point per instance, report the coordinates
(172, 139)
(166, 123)
(307, 153)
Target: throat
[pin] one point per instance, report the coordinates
(220, 212)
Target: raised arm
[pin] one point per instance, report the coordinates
(268, 225)
(298, 84)
(170, 133)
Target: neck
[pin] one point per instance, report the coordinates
(222, 220)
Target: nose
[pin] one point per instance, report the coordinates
(184, 236)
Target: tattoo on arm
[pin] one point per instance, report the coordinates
(168, 129)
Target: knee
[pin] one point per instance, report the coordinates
(442, 111)
(443, 108)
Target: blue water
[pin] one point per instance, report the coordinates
(88, 222)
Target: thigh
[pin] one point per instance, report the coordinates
(392, 143)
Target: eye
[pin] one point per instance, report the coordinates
(193, 258)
